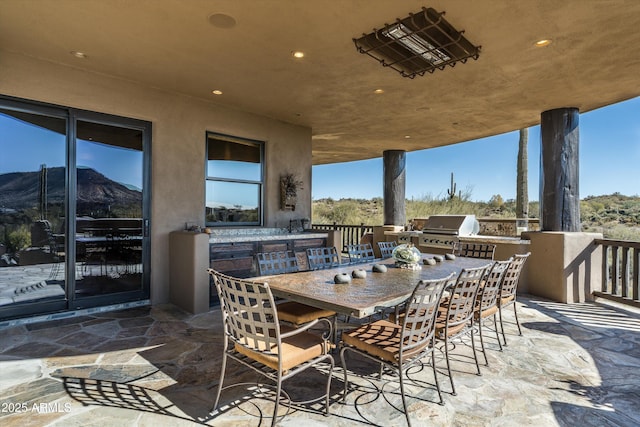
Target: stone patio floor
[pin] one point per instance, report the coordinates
(158, 366)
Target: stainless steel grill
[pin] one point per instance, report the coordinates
(443, 231)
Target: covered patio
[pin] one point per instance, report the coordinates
(199, 68)
(574, 365)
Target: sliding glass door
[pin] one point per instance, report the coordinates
(32, 211)
(73, 209)
(109, 211)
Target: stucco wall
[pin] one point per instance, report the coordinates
(564, 266)
(178, 144)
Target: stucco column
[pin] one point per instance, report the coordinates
(394, 164)
(559, 170)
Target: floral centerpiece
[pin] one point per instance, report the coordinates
(407, 256)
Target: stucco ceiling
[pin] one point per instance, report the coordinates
(593, 61)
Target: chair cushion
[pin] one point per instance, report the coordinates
(380, 339)
(485, 313)
(296, 350)
(506, 300)
(298, 314)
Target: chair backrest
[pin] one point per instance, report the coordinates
(278, 262)
(386, 248)
(421, 310)
(512, 275)
(462, 297)
(474, 250)
(490, 290)
(362, 252)
(320, 258)
(248, 313)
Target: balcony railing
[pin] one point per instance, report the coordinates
(620, 271)
(351, 234)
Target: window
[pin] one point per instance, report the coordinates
(234, 181)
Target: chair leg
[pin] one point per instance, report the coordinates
(277, 401)
(484, 352)
(404, 400)
(435, 372)
(515, 312)
(504, 337)
(222, 370)
(495, 324)
(446, 356)
(326, 412)
(475, 354)
(344, 369)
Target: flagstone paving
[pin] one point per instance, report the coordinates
(158, 366)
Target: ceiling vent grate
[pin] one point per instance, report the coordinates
(421, 43)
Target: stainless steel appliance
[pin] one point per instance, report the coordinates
(441, 232)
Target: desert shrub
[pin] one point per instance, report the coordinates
(18, 239)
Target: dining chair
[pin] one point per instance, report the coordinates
(400, 346)
(386, 248)
(322, 258)
(474, 250)
(487, 301)
(508, 290)
(254, 337)
(42, 232)
(282, 262)
(277, 262)
(455, 317)
(359, 253)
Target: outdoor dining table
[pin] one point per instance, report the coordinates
(361, 297)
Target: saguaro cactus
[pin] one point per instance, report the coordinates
(452, 191)
(522, 195)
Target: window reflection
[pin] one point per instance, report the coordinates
(32, 197)
(234, 181)
(109, 209)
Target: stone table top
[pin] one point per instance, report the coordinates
(361, 297)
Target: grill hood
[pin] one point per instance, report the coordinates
(457, 225)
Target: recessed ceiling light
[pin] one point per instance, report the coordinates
(407, 137)
(378, 91)
(297, 54)
(216, 92)
(543, 43)
(77, 54)
(220, 20)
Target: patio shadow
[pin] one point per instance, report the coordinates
(610, 338)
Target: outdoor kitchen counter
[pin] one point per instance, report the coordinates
(233, 251)
(228, 238)
(497, 240)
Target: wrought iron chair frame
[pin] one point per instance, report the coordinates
(386, 248)
(278, 262)
(253, 336)
(487, 301)
(322, 258)
(415, 336)
(509, 288)
(359, 253)
(456, 317)
(474, 250)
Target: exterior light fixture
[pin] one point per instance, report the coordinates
(420, 43)
(543, 43)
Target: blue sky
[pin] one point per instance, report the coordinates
(609, 162)
(37, 145)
